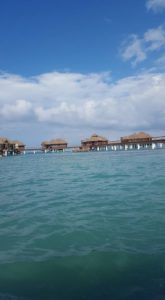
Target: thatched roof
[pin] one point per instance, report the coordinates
(4, 140)
(96, 138)
(55, 142)
(136, 136)
(45, 143)
(19, 143)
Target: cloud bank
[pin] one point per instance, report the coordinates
(65, 103)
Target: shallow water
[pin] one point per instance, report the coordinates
(83, 226)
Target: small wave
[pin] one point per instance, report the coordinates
(7, 296)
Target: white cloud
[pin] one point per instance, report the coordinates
(17, 110)
(137, 49)
(155, 5)
(155, 38)
(74, 105)
(134, 50)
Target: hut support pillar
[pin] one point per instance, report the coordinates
(153, 145)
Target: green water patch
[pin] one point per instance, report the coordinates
(94, 276)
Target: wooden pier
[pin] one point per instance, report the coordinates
(137, 141)
(154, 143)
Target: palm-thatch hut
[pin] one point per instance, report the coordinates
(94, 142)
(140, 137)
(19, 146)
(4, 144)
(54, 145)
(8, 147)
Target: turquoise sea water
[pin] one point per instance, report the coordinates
(83, 226)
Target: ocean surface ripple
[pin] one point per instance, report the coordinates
(100, 212)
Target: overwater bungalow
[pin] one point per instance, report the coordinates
(54, 145)
(9, 147)
(95, 142)
(4, 145)
(137, 140)
(137, 137)
(19, 146)
(140, 140)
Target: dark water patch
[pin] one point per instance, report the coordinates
(95, 276)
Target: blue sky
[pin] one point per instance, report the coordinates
(72, 68)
